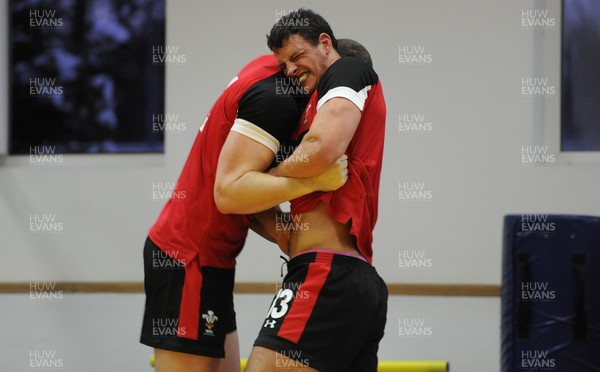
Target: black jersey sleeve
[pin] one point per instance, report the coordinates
(267, 115)
(348, 77)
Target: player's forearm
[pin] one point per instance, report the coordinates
(257, 226)
(267, 219)
(312, 157)
(263, 223)
(256, 191)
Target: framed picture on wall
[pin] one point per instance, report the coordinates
(580, 76)
(83, 78)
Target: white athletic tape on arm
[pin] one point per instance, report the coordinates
(255, 133)
(358, 98)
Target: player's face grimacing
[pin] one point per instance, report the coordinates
(300, 60)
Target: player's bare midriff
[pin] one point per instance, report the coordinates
(319, 231)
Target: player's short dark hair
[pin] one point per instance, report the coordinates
(302, 22)
(352, 48)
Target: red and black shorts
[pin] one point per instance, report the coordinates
(329, 314)
(189, 308)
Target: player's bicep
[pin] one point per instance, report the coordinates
(335, 125)
(241, 154)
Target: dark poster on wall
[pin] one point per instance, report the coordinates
(83, 78)
(580, 83)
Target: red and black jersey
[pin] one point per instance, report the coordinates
(190, 223)
(357, 200)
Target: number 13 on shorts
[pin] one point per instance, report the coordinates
(279, 307)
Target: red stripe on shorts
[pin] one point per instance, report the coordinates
(295, 321)
(189, 310)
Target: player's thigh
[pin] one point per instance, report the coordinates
(174, 361)
(231, 363)
(366, 359)
(166, 360)
(267, 360)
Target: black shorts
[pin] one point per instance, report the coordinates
(189, 308)
(329, 314)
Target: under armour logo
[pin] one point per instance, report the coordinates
(270, 323)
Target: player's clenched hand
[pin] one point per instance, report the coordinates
(334, 177)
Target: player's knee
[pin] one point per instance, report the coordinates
(260, 359)
(266, 360)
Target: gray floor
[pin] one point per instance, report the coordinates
(99, 332)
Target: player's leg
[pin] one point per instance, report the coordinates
(267, 360)
(168, 361)
(366, 360)
(188, 313)
(231, 363)
(173, 361)
(366, 357)
(328, 308)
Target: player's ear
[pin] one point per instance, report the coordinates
(325, 42)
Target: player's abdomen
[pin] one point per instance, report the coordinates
(316, 230)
